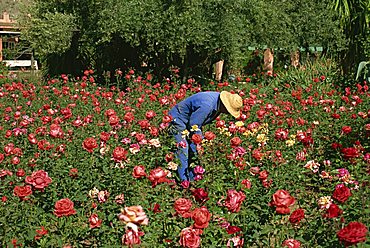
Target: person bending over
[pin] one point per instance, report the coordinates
(190, 115)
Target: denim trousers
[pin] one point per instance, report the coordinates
(185, 150)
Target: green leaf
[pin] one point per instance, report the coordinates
(361, 66)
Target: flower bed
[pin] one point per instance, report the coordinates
(83, 165)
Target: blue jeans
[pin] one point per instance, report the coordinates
(184, 154)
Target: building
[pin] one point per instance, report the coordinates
(9, 40)
(9, 34)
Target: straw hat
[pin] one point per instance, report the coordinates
(232, 102)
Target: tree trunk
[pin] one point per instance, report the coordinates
(294, 58)
(268, 61)
(219, 69)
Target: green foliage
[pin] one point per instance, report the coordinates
(354, 17)
(49, 33)
(188, 34)
(3, 69)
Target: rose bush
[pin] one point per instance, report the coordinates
(88, 164)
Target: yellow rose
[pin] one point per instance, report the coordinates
(185, 133)
(289, 142)
(194, 128)
(239, 124)
(262, 138)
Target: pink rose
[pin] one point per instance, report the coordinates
(291, 243)
(139, 171)
(131, 237)
(39, 179)
(199, 170)
(157, 176)
(234, 200)
(189, 238)
(236, 241)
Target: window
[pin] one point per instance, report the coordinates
(8, 44)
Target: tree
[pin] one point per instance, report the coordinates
(188, 34)
(354, 17)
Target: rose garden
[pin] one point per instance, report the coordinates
(84, 164)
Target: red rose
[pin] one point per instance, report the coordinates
(333, 211)
(234, 200)
(336, 146)
(233, 229)
(281, 134)
(209, 135)
(22, 191)
(167, 119)
(73, 172)
(341, 193)
(4, 173)
(89, 144)
(307, 141)
(281, 199)
(113, 120)
(236, 141)
(353, 233)
(140, 137)
(139, 171)
(350, 152)
(296, 216)
(15, 160)
(247, 183)
(182, 207)
(119, 154)
(32, 138)
(263, 175)
(169, 157)
(94, 221)
(41, 232)
(196, 138)
(257, 154)
(64, 207)
(154, 131)
(110, 112)
(346, 129)
(39, 179)
(291, 243)
(150, 114)
(201, 217)
(20, 173)
(144, 124)
(189, 238)
(335, 116)
(104, 136)
(129, 117)
(200, 195)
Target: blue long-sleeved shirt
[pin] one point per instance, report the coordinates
(198, 109)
